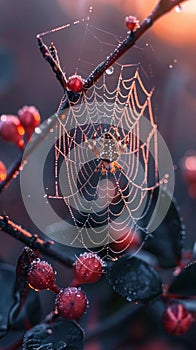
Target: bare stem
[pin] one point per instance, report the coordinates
(162, 7)
(33, 241)
(112, 322)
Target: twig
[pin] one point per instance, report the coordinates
(33, 241)
(113, 321)
(12, 173)
(162, 7)
(37, 139)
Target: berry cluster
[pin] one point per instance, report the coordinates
(16, 129)
(70, 302)
(13, 128)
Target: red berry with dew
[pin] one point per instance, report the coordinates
(71, 303)
(88, 268)
(3, 171)
(177, 319)
(30, 119)
(75, 83)
(131, 23)
(41, 276)
(11, 130)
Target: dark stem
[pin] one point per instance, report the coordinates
(162, 7)
(12, 173)
(34, 242)
(113, 321)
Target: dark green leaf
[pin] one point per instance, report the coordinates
(167, 240)
(7, 295)
(22, 268)
(10, 301)
(185, 283)
(134, 279)
(62, 335)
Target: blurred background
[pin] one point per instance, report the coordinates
(167, 53)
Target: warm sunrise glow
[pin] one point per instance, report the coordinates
(177, 27)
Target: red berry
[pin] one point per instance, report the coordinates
(12, 130)
(75, 83)
(30, 119)
(41, 276)
(132, 23)
(71, 303)
(177, 319)
(3, 172)
(88, 268)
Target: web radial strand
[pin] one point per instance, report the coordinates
(104, 201)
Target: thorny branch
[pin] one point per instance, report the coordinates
(162, 7)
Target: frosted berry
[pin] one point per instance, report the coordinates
(177, 319)
(11, 130)
(88, 268)
(3, 172)
(131, 23)
(71, 303)
(30, 118)
(41, 276)
(75, 83)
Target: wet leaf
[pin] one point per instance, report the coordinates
(134, 279)
(62, 335)
(10, 301)
(185, 283)
(22, 268)
(7, 295)
(167, 240)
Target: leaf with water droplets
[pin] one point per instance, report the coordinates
(62, 335)
(134, 279)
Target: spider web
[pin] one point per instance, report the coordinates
(102, 208)
(106, 207)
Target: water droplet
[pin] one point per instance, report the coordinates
(110, 71)
(38, 131)
(178, 8)
(129, 298)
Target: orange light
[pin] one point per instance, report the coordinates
(3, 172)
(177, 27)
(21, 130)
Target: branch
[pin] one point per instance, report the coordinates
(33, 241)
(113, 321)
(12, 173)
(36, 139)
(162, 7)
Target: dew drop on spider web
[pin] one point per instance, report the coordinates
(110, 71)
